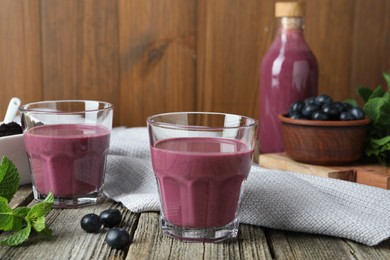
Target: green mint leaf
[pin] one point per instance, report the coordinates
(9, 179)
(6, 216)
(373, 107)
(380, 149)
(378, 92)
(19, 218)
(21, 212)
(364, 93)
(41, 209)
(386, 75)
(39, 224)
(17, 238)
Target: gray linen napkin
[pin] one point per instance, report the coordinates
(272, 198)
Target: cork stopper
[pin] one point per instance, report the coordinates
(289, 9)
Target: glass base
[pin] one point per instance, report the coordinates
(213, 234)
(72, 202)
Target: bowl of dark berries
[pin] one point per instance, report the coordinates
(320, 131)
(12, 147)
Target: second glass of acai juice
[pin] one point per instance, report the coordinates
(200, 161)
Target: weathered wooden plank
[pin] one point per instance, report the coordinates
(69, 241)
(157, 64)
(80, 50)
(253, 243)
(281, 161)
(20, 52)
(22, 197)
(293, 245)
(369, 174)
(373, 175)
(231, 37)
(150, 243)
(381, 251)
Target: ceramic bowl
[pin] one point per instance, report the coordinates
(324, 142)
(13, 147)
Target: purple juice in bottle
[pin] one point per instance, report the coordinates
(288, 72)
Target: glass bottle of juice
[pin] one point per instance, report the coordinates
(288, 72)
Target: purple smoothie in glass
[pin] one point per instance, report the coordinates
(200, 179)
(67, 159)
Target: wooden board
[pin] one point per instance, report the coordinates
(372, 175)
(148, 242)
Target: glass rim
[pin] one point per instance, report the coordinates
(24, 108)
(150, 121)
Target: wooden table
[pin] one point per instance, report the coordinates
(69, 241)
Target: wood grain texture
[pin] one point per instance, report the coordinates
(157, 65)
(371, 43)
(148, 57)
(231, 36)
(81, 57)
(20, 52)
(280, 161)
(292, 245)
(368, 174)
(150, 243)
(329, 27)
(69, 241)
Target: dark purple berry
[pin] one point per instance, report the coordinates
(308, 110)
(295, 115)
(346, 116)
(331, 110)
(323, 99)
(357, 113)
(297, 106)
(339, 105)
(90, 223)
(319, 115)
(309, 101)
(110, 217)
(117, 238)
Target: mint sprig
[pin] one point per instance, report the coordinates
(9, 179)
(377, 108)
(21, 220)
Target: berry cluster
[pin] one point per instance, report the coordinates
(323, 107)
(116, 237)
(11, 128)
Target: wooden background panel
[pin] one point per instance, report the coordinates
(371, 43)
(351, 41)
(80, 50)
(155, 56)
(157, 49)
(20, 52)
(328, 32)
(232, 36)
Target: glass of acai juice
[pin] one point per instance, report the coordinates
(67, 143)
(200, 161)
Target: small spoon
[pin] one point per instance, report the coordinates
(11, 110)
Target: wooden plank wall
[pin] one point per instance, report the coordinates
(154, 56)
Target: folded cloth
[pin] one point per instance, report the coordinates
(272, 198)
